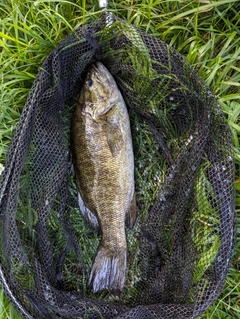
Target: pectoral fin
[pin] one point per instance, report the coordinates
(114, 138)
(131, 215)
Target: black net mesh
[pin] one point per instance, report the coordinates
(180, 248)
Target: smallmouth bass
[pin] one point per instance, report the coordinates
(103, 159)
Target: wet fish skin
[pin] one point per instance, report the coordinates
(104, 167)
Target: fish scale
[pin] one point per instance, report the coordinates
(104, 166)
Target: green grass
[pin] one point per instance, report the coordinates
(206, 33)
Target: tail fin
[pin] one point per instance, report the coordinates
(108, 271)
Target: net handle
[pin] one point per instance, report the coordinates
(103, 4)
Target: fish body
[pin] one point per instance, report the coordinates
(103, 161)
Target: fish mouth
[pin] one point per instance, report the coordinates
(85, 113)
(97, 65)
(100, 74)
(108, 108)
(96, 68)
(95, 116)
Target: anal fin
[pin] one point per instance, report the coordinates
(131, 215)
(88, 216)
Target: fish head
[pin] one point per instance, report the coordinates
(99, 93)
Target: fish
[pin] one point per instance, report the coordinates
(103, 160)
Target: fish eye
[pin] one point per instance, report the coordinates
(89, 82)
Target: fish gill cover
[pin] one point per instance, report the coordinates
(180, 248)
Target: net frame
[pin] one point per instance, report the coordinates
(99, 41)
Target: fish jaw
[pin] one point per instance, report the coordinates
(100, 113)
